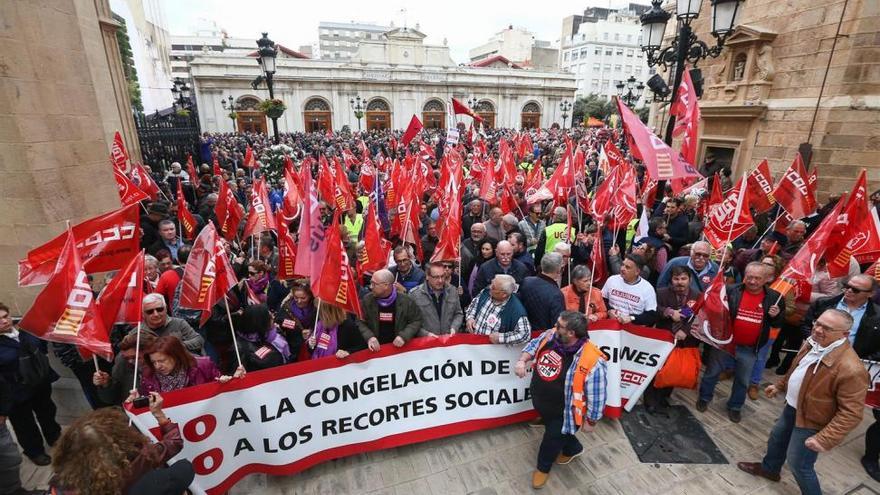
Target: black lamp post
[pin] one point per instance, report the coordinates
(686, 47)
(358, 106)
(630, 91)
(267, 54)
(182, 93)
(472, 102)
(230, 106)
(565, 106)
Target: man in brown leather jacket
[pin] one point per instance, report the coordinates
(825, 396)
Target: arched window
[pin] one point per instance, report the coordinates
(486, 110)
(434, 114)
(248, 116)
(531, 116)
(317, 115)
(378, 114)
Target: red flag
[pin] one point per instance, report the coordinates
(662, 162)
(793, 191)
(118, 154)
(625, 197)
(761, 188)
(713, 324)
(286, 250)
(311, 233)
(525, 147)
(800, 269)
(459, 108)
(449, 246)
(368, 175)
(609, 157)
(128, 192)
(208, 275)
(415, 125)
(228, 212)
(559, 186)
(218, 172)
(856, 232)
(184, 216)
(120, 301)
(65, 311)
(290, 205)
(141, 178)
(336, 282)
(649, 193)
(343, 197)
(597, 255)
(488, 184)
(687, 113)
(191, 170)
(249, 160)
(104, 243)
(376, 250)
(730, 218)
(260, 217)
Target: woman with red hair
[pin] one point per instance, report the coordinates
(169, 366)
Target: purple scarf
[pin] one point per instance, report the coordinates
(388, 301)
(564, 350)
(326, 342)
(306, 316)
(273, 339)
(259, 287)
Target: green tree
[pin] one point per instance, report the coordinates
(592, 106)
(643, 114)
(128, 69)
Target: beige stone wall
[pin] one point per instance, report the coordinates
(59, 107)
(846, 133)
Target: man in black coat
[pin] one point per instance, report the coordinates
(865, 340)
(541, 295)
(502, 264)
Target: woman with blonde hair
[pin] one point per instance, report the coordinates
(100, 454)
(335, 334)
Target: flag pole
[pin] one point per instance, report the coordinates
(95, 360)
(137, 352)
(772, 224)
(232, 329)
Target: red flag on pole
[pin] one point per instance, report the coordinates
(120, 301)
(292, 202)
(208, 275)
(184, 216)
(449, 246)
(65, 311)
(249, 160)
(260, 217)
(376, 250)
(800, 269)
(228, 212)
(218, 172)
(311, 232)
(793, 191)
(713, 324)
(336, 282)
(730, 218)
(597, 256)
(415, 125)
(118, 154)
(128, 192)
(286, 250)
(761, 188)
(459, 108)
(191, 171)
(141, 178)
(662, 162)
(856, 232)
(104, 243)
(687, 113)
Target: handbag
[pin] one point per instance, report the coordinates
(681, 370)
(33, 365)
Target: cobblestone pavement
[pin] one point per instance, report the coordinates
(500, 461)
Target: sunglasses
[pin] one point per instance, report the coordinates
(154, 310)
(855, 290)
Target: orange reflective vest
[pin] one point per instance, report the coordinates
(590, 355)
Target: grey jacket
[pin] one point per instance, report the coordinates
(452, 314)
(180, 329)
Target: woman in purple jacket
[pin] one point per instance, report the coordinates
(169, 366)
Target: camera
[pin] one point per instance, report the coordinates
(141, 402)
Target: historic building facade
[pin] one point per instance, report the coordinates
(396, 77)
(795, 75)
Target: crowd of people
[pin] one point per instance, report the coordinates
(527, 270)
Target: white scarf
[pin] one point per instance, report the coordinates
(818, 352)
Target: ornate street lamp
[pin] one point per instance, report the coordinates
(230, 106)
(565, 106)
(630, 91)
(181, 91)
(266, 59)
(472, 102)
(685, 47)
(358, 106)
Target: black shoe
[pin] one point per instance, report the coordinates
(771, 363)
(735, 416)
(41, 460)
(702, 405)
(871, 467)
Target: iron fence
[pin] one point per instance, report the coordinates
(167, 137)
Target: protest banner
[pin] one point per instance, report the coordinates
(872, 398)
(286, 419)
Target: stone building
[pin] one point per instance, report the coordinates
(519, 46)
(64, 97)
(795, 75)
(397, 76)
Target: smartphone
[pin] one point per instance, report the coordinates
(141, 402)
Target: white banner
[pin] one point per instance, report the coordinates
(286, 419)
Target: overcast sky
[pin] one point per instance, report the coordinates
(465, 24)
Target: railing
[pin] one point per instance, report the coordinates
(167, 137)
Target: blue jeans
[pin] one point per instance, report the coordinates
(716, 363)
(787, 441)
(758, 370)
(554, 443)
(10, 462)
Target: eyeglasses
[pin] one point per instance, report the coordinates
(827, 328)
(855, 290)
(700, 255)
(154, 310)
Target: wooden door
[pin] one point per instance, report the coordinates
(252, 122)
